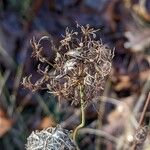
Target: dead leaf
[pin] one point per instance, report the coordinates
(124, 83)
(138, 40)
(142, 11)
(122, 110)
(116, 118)
(47, 122)
(144, 75)
(5, 123)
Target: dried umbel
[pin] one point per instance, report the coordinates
(140, 137)
(80, 60)
(50, 139)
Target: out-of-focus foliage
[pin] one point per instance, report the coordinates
(22, 7)
(123, 24)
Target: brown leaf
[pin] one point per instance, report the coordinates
(142, 11)
(124, 83)
(47, 122)
(5, 123)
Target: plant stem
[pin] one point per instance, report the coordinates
(144, 110)
(142, 116)
(82, 114)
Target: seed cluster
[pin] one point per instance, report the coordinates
(80, 60)
(50, 139)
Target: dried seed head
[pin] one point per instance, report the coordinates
(69, 65)
(140, 137)
(80, 59)
(51, 138)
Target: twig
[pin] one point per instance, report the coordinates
(144, 110)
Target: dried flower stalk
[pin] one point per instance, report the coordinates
(81, 65)
(82, 114)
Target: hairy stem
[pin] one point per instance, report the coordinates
(82, 114)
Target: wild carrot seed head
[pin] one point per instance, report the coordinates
(80, 60)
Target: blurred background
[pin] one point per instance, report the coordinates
(110, 123)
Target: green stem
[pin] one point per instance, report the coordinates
(82, 114)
